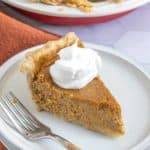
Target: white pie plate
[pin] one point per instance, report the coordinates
(127, 81)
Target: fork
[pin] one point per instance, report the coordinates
(27, 125)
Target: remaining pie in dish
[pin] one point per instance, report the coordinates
(83, 5)
(92, 106)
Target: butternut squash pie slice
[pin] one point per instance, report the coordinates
(92, 106)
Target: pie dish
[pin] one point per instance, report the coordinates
(93, 106)
(60, 14)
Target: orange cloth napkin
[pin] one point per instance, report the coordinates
(2, 147)
(16, 36)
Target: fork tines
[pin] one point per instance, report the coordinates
(18, 114)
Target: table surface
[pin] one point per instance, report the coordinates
(129, 35)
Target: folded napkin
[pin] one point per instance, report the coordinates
(2, 147)
(16, 36)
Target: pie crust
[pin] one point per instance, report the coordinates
(83, 5)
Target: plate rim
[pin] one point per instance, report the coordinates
(106, 49)
(116, 9)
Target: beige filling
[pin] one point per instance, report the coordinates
(89, 115)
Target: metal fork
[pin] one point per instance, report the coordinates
(27, 125)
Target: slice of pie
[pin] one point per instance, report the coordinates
(93, 106)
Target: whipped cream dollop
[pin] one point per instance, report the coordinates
(76, 67)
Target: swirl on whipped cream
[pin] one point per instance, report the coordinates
(76, 67)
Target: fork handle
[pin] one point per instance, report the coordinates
(67, 144)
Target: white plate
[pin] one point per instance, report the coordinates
(100, 8)
(126, 80)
